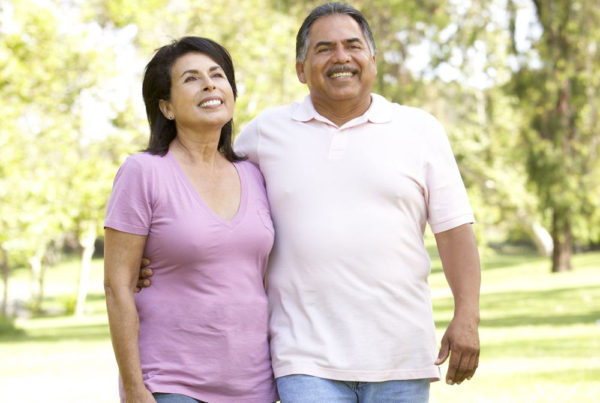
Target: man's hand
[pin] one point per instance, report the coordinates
(461, 342)
(460, 261)
(145, 274)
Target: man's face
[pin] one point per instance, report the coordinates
(339, 65)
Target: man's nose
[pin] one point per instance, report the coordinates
(341, 55)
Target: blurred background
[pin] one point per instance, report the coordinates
(516, 83)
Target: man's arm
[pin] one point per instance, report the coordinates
(460, 260)
(144, 275)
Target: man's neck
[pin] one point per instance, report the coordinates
(341, 112)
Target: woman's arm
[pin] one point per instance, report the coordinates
(122, 255)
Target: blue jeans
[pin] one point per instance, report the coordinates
(174, 398)
(310, 389)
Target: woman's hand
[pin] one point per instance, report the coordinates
(142, 395)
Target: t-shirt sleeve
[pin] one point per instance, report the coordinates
(447, 201)
(246, 142)
(130, 206)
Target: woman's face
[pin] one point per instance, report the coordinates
(201, 96)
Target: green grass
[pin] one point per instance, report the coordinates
(540, 337)
(540, 332)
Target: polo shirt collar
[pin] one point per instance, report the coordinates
(380, 111)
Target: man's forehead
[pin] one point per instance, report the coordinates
(336, 27)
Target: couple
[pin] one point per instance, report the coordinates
(352, 180)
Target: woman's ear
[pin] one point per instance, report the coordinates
(165, 108)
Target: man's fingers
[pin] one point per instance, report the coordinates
(443, 354)
(145, 262)
(473, 363)
(453, 368)
(145, 273)
(463, 363)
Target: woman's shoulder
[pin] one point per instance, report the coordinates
(141, 165)
(144, 157)
(251, 168)
(144, 160)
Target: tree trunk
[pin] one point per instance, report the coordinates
(563, 242)
(86, 240)
(37, 279)
(4, 267)
(542, 239)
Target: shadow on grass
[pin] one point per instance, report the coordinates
(566, 377)
(555, 307)
(75, 332)
(541, 345)
(60, 305)
(499, 261)
(506, 261)
(56, 323)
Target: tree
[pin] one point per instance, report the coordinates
(560, 96)
(50, 188)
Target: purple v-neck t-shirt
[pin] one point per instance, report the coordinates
(204, 321)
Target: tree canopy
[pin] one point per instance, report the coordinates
(515, 83)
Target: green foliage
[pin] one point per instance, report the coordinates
(57, 174)
(560, 101)
(8, 328)
(522, 158)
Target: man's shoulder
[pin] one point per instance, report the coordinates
(411, 115)
(280, 111)
(402, 110)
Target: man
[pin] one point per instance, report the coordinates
(352, 180)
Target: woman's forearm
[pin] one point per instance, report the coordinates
(124, 329)
(122, 254)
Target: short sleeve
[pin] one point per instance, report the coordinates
(130, 205)
(447, 201)
(246, 142)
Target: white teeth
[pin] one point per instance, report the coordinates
(212, 102)
(341, 74)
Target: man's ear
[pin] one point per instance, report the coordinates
(300, 72)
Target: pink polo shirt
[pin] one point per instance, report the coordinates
(347, 282)
(203, 323)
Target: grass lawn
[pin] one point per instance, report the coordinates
(540, 337)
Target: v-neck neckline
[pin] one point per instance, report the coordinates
(188, 183)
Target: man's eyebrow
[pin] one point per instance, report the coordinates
(328, 43)
(194, 71)
(323, 43)
(352, 40)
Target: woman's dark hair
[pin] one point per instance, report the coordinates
(157, 86)
(324, 10)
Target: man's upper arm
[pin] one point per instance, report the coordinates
(246, 143)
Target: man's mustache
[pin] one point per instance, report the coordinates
(342, 69)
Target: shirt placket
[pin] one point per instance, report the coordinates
(339, 142)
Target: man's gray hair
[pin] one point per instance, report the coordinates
(326, 9)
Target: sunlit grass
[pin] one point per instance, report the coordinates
(540, 332)
(540, 337)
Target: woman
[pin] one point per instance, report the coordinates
(200, 213)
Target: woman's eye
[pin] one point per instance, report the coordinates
(189, 78)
